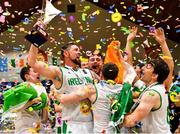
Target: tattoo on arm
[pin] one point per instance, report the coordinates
(151, 94)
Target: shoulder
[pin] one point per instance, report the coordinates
(150, 96)
(159, 88)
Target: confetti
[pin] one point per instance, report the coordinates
(116, 17)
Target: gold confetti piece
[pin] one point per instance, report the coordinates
(149, 16)
(62, 32)
(19, 13)
(1, 43)
(161, 7)
(77, 41)
(98, 46)
(177, 19)
(124, 7)
(83, 59)
(141, 34)
(132, 18)
(86, 8)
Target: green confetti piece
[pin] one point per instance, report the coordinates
(157, 11)
(131, 44)
(125, 30)
(10, 30)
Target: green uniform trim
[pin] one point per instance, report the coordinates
(64, 127)
(59, 130)
(96, 95)
(160, 100)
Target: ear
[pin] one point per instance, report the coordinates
(26, 76)
(66, 53)
(155, 76)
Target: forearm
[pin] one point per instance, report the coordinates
(69, 98)
(32, 56)
(44, 115)
(165, 48)
(75, 96)
(132, 119)
(167, 57)
(129, 52)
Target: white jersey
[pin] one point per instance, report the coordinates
(102, 106)
(77, 113)
(25, 118)
(158, 121)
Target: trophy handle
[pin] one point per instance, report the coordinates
(50, 12)
(38, 35)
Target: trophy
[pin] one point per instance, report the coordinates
(38, 35)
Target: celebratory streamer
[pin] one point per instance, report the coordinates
(113, 55)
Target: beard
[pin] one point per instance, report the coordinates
(77, 62)
(96, 69)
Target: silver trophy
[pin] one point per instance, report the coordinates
(38, 35)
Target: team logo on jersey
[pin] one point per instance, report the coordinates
(78, 81)
(85, 107)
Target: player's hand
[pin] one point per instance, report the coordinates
(37, 100)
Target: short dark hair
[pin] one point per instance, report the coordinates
(161, 69)
(25, 70)
(140, 65)
(110, 71)
(98, 53)
(65, 47)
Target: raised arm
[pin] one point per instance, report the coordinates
(128, 50)
(167, 57)
(50, 72)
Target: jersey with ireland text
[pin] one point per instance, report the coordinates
(72, 80)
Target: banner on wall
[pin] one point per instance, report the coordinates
(3, 64)
(13, 63)
(21, 62)
(54, 61)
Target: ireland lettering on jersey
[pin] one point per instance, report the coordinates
(78, 81)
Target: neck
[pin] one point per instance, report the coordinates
(34, 82)
(150, 83)
(71, 64)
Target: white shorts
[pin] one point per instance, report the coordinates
(75, 127)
